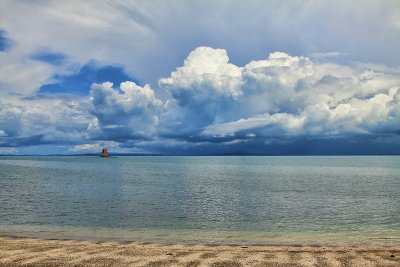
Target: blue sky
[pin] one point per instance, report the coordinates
(200, 77)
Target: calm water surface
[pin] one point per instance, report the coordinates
(207, 199)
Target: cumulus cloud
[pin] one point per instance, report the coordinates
(202, 88)
(213, 104)
(32, 121)
(204, 69)
(282, 95)
(107, 114)
(131, 111)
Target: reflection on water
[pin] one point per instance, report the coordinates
(207, 198)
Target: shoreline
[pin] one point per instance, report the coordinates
(18, 251)
(330, 240)
(191, 237)
(310, 238)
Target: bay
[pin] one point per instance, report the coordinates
(235, 199)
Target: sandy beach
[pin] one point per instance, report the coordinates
(38, 252)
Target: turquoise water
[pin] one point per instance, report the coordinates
(203, 199)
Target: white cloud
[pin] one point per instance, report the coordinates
(22, 76)
(133, 113)
(214, 101)
(96, 147)
(282, 95)
(106, 32)
(202, 90)
(204, 69)
(87, 147)
(277, 124)
(43, 120)
(8, 151)
(149, 38)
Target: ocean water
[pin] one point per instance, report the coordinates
(267, 200)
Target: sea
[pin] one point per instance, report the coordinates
(315, 200)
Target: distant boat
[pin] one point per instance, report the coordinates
(104, 153)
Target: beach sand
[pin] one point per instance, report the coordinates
(38, 252)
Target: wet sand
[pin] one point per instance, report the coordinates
(38, 252)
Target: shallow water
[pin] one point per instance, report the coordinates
(317, 199)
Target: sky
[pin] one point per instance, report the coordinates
(299, 77)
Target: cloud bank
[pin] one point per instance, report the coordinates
(212, 105)
(282, 95)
